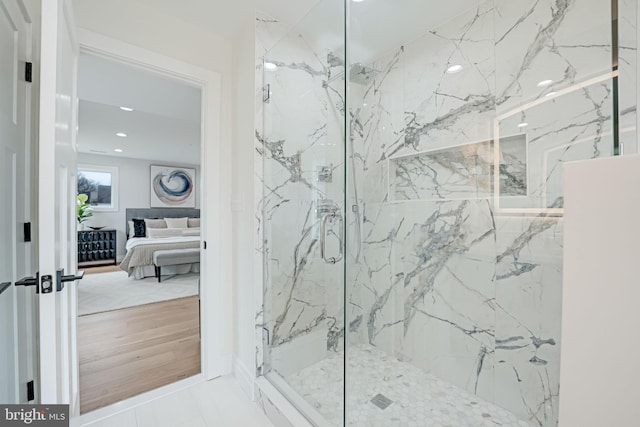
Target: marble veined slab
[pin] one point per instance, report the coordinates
(461, 172)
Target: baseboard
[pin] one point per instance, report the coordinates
(227, 364)
(244, 378)
(133, 402)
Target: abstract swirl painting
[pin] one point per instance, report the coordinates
(172, 187)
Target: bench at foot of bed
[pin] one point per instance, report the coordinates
(174, 257)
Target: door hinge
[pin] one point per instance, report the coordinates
(31, 393)
(28, 72)
(27, 231)
(205, 245)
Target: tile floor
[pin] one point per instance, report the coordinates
(215, 403)
(418, 399)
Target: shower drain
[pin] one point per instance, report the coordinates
(381, 401)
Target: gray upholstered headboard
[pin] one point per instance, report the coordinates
(159, 213)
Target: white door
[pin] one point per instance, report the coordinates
(17, 331)
(56, 205)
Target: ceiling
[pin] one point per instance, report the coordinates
(225, 17)
(375, 27)
(165, 123)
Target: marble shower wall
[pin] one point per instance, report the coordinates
(300, 142)
(461, 268)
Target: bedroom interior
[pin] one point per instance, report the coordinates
(139, 165)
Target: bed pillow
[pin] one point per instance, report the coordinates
(164, 232)
(177, 222)
(155, 223)
(139, 228)
(194, 222)
(193, 231)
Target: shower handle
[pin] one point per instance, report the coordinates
(323, 237)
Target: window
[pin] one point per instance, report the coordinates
(100, 184)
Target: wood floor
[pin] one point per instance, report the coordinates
(101, 269)
(127, 352)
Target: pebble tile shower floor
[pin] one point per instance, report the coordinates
(418, 398)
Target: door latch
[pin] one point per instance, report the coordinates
(61, 278)
(46, 284)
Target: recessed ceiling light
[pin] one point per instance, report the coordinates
(270, 66)
(551, 93)
(126, 108)
(118, 150)
(523, 125)
(121, 134)
(454, 69)
(357, 1)
(545, 83)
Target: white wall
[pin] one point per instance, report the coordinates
(134, 191)
(599, 374)
(242, 201)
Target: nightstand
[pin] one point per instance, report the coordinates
(96, 247)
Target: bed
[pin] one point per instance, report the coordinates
(138, 260)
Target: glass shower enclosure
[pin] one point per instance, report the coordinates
(413, 201)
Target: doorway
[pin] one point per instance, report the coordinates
(139, 162)
(54, 382)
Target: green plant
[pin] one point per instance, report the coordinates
(84, 211)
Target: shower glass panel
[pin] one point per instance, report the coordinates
(413, 201)
(303, 207)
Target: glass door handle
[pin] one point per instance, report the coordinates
(340, 238)
(323, 237)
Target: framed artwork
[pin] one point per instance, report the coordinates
(173, 187)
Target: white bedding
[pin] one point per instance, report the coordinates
(137, 241)
(139, 256)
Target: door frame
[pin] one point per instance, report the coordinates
(23, 300)
(57, 340)
(216, 317)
